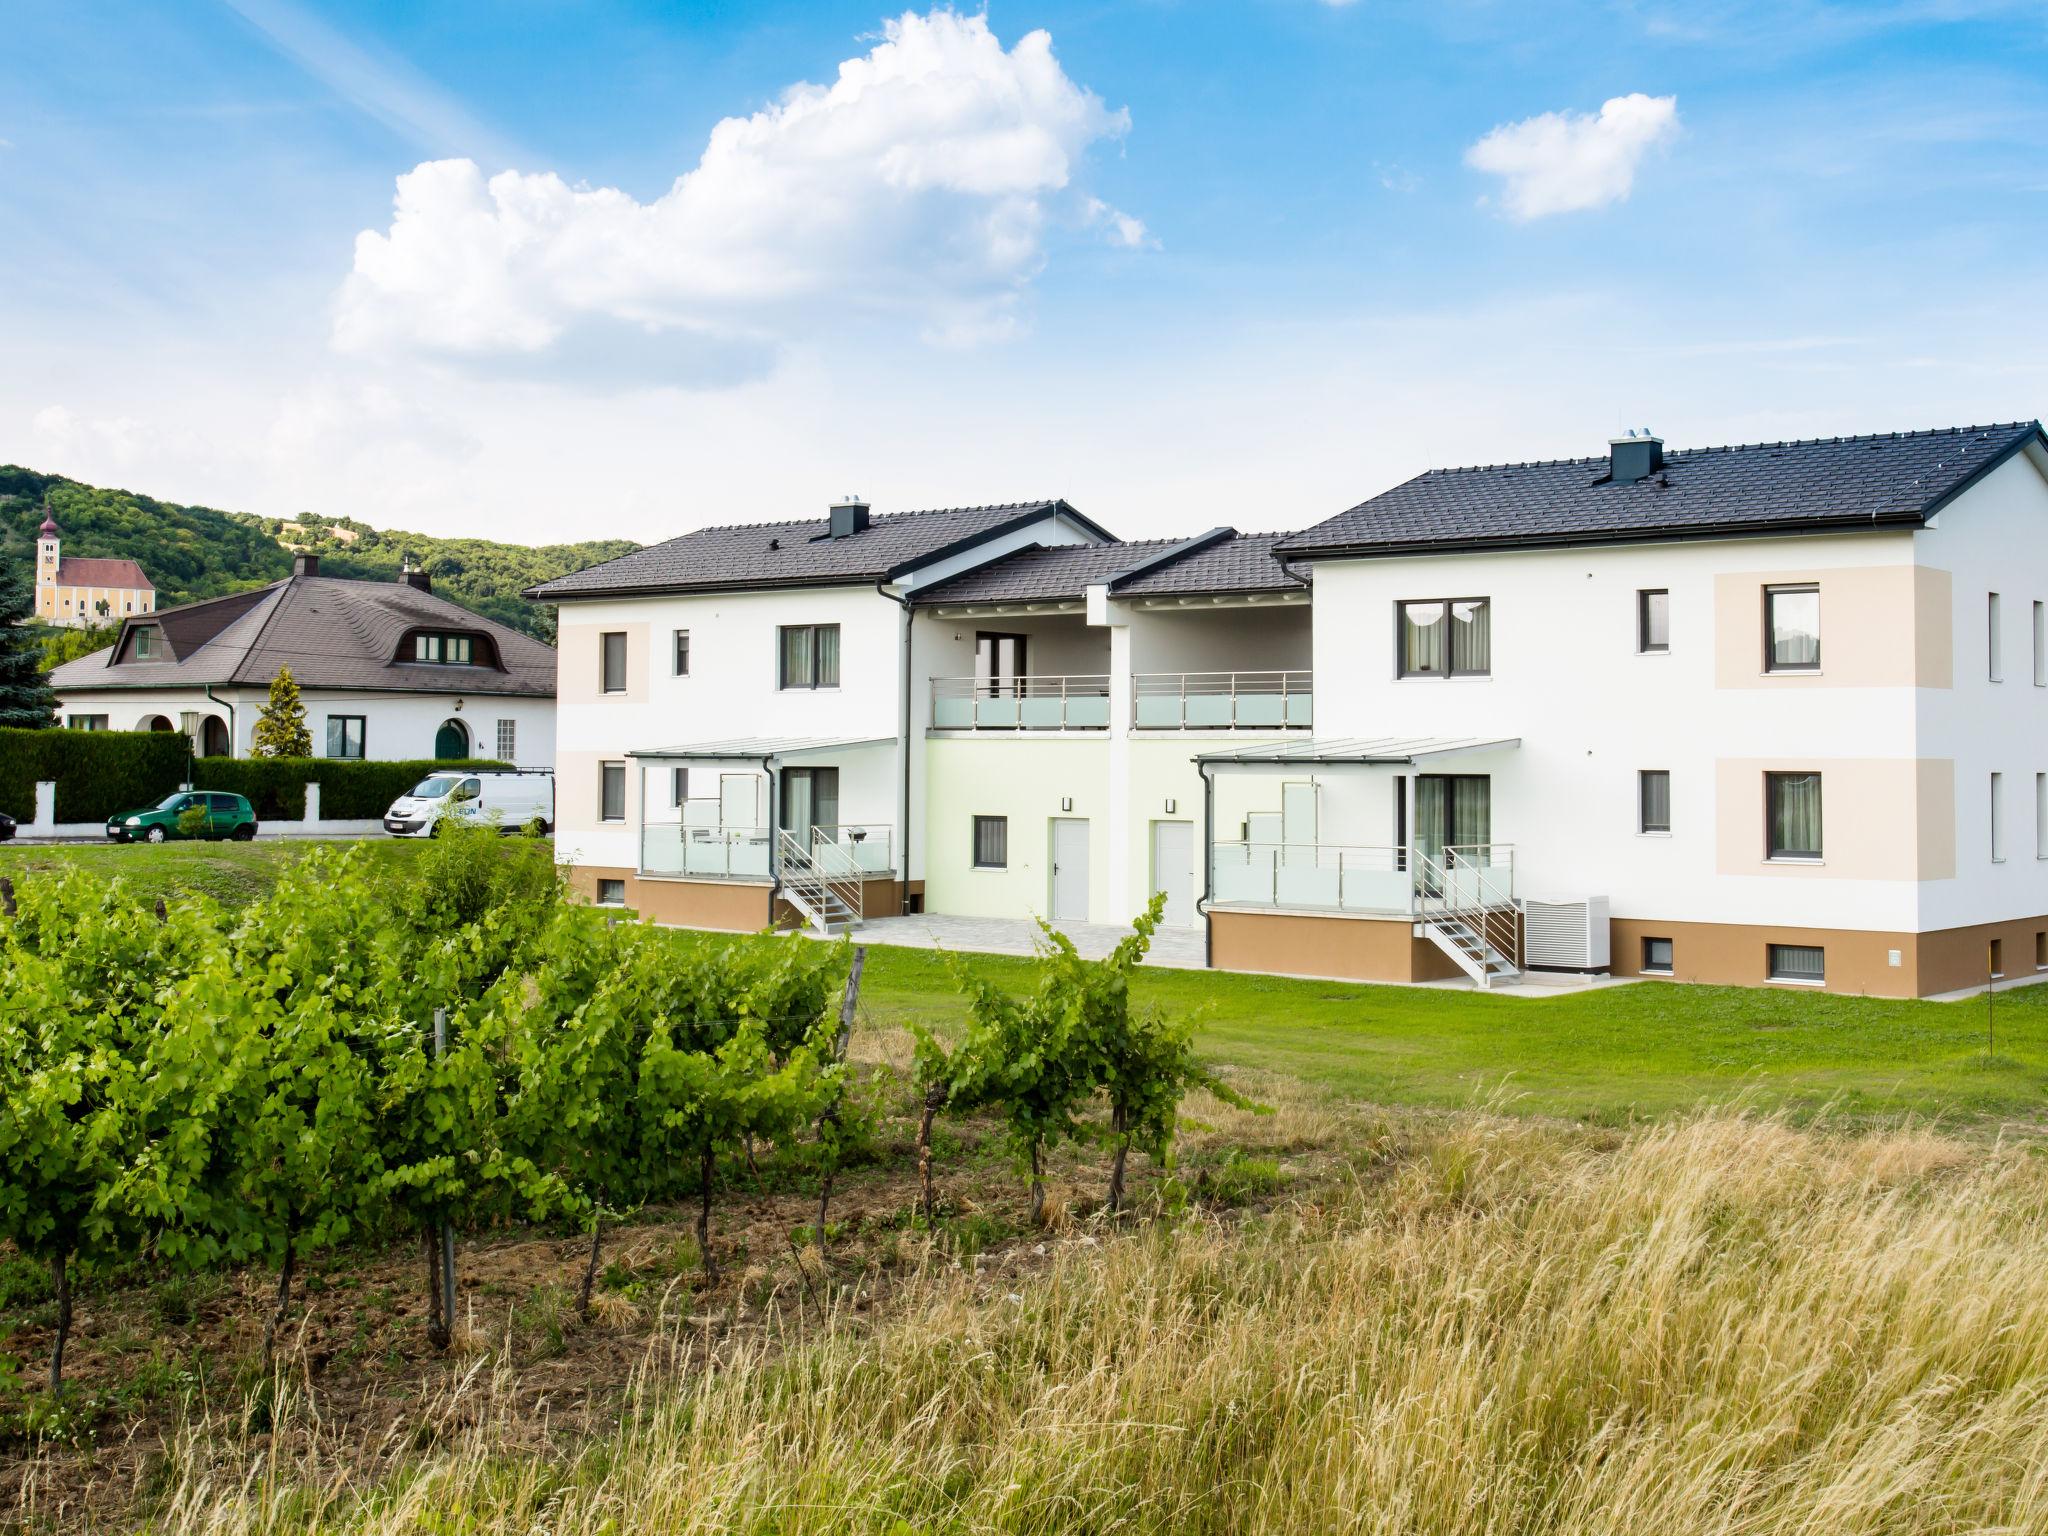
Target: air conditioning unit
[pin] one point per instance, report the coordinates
(1565, 934)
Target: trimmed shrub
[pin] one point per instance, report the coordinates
(349, 790)
(97, 773)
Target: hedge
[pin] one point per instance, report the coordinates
(97, 773)
(349, 790)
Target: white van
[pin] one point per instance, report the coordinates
(511, 801)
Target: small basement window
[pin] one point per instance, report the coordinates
(1657, 957)
(1806, 963)
(611, 893)
(991, 842)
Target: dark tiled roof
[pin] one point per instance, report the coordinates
(1896, 479)
(800, 553)
(332, 634)
(102, 571)
(1224, 561)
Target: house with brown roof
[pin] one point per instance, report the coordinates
(386, 671)
(78, 590)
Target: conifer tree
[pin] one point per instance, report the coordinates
(25, 697)
(281, 728)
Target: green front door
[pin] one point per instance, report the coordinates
(451, 742)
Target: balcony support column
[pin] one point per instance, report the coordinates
(1123, 840)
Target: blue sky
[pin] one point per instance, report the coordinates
(1185, 264)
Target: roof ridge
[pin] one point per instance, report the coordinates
(1787, 442)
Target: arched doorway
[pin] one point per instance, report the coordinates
(451, 742)
(213, 738)
(155, 723)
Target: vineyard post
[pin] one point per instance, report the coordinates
(447, 1230)
(830, 1119)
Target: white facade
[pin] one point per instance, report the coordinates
(396, 727)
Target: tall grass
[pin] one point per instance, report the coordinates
(1719, 1325)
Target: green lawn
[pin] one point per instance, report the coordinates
(1605, 1055)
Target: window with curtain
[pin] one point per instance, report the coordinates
(1792, 629)
(1446, 637)
(810, 799)
(1453, 810)
(1792, 809)
(1653, 621)
(1797, 962)
(1653, 800)
(810, 655)
(998, 665)
(682, 653)
(611, 795)
(991, 842)
(345, 736)
(612, 666)
(1657, 956)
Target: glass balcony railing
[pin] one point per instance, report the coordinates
(1052, 703)
(1342, 878)
(1223, 701)
(709, 853)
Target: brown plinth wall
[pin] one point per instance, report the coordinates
(734, 908)
(1858, 962)
(1725, 954)
(1349, 948)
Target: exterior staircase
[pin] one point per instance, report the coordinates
(820, 882)
(1465, 905)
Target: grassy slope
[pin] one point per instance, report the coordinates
(233, 873)
(1605, 1055)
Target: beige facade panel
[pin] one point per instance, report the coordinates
(578, 674)
(1866, 641)
(683, 903)
(1882, 818)
(1858, 963)
(1310, 944)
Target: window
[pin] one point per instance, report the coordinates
(810, 655)
(1653, 622)
(345, 736)
(2041, 949)
(611, 792)
(1994, 652)
(991, 842)
(1998, 818)
(1798, 962)
(1653, 800)
(998, 665)
(508, 741)
(612, 663)
(2041, 645)
(1657, 955)
(1792, 629)
(2041, 815)
(611, 893)
(810, 799)
(88, 722)
(444, 649)
(1446, 637)
(1792, 809)
(682, 653)
(678, 785)
(1997, 958)
(148, 644)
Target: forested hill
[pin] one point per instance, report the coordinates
(195, 552)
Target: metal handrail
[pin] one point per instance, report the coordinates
(1490, 912)
(1288, 686)
(1078, 701)
(864, 848)
(801, 871)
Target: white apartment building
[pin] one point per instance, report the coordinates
(1770, 714)
(386, 671)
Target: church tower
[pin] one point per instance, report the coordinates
(46, 567)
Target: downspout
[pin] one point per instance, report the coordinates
(903, 735)
(774, 834)
(1208, 863)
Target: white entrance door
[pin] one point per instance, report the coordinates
(1069, 870)
(1173, 870)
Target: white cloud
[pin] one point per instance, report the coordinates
(919, 183)
(1120, 228)
(1561, 162)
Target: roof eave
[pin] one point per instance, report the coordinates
(1682, 534)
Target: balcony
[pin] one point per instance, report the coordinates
(1222, 701)
(1048, 703)
(742, 853)
(1332, 877)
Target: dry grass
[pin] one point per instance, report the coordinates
(1475, 1324)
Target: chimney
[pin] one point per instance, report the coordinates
(1635, 457)
(419, 581)
(305, 565)
(849, 516)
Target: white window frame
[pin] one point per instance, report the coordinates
(508, 740)
(1997, 818)
(1994, 649)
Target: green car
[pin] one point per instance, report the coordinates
(187, 813)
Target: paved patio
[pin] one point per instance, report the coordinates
(1177, 948)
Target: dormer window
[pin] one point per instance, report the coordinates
(147, 643)
(443, 649)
